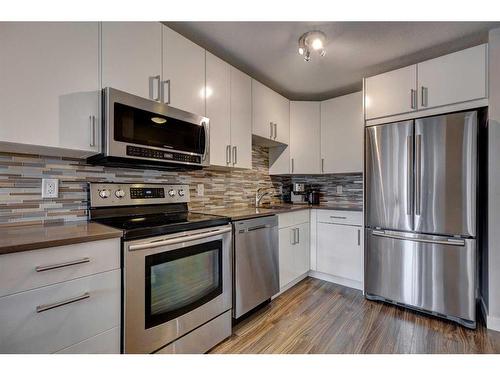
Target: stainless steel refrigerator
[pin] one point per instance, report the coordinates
(420, 197)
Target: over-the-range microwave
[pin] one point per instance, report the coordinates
(142, 133)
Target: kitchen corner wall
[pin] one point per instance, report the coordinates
(21, 176)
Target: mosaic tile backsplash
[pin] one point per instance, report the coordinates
(21, 177)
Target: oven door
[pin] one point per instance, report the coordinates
(148, 130)
(174, 284)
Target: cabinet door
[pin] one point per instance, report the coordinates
(281, 117)
(183, 73)
(339, 251)
(304, 137)
(218, 110)
(241, 119)
(131, 57)
(454, 78)
(286, 256)
(49, 84)
(342, 134)
(262, 98)
(301, 251)
(391, 93)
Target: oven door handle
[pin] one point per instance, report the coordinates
(185, 238)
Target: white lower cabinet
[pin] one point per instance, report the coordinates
(61, 299)
(294, 242)
(339, 252)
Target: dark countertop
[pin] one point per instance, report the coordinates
(31, 237)
(241, 213)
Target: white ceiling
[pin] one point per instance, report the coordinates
(268, 50)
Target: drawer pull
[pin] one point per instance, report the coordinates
(51, 306)
(61, 265)
(338, 217)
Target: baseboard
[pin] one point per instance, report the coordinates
(290, 284)
(337, 280)
(493, 323)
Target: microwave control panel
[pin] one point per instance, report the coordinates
(149, 153)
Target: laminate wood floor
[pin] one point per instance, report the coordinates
(316, 316)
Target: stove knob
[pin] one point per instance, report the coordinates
(105, 193)
(181, 193)
(171, 192)
(120, 193)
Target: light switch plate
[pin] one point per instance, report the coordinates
(339, 189)
(50, 188)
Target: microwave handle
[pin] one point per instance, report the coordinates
(207, 145)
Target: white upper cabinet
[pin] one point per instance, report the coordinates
(305, 137)
(271, 117)
(183, 78)
(453, 78)
(241, 119)
(342, 130)
(131, 57)
(391, 93)
(49, 84)
(218, 101)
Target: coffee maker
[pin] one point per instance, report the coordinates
(299, 193)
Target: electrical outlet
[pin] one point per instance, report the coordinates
(200, 190)
(339, 189)
(50, 188)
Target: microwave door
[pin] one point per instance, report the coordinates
(445, 174)
(389, 176)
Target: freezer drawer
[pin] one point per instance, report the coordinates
(431, 273)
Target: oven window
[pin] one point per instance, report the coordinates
(133, 125)
(179, 281)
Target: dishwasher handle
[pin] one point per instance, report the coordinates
(257, 227)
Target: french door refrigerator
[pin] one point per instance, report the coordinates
(420, 197)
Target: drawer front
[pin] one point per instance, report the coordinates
(32, 321)
(293, 218)
(34, 269)
(340, 217)
(107, 342)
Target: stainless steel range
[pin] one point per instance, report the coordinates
(176, 267)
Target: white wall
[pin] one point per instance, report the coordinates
(493, 319)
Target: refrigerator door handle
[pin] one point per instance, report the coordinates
(409, 167)
(451, 241)
(418, 172)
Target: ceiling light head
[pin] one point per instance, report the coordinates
(312, 40)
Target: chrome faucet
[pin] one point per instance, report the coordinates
(261, 193)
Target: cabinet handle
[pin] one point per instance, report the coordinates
(92, 130)
(51, 306)
(322, 165)
(62, 265)
(271, 129)
(235, 155)
(152, 80)
(338, 217)
(228, 154)
(292, 236)
(298, 234)
(292, 165)
(359, 237)
(166, 82)
(275, 130)
(424, 96)
(413, 99)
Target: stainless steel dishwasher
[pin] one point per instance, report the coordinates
(256, 263)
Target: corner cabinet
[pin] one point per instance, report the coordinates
(271, 114)
(183, 74)
(342, 131)
(305, 137)
(49, 85)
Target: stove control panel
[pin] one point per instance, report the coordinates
(116, 194)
